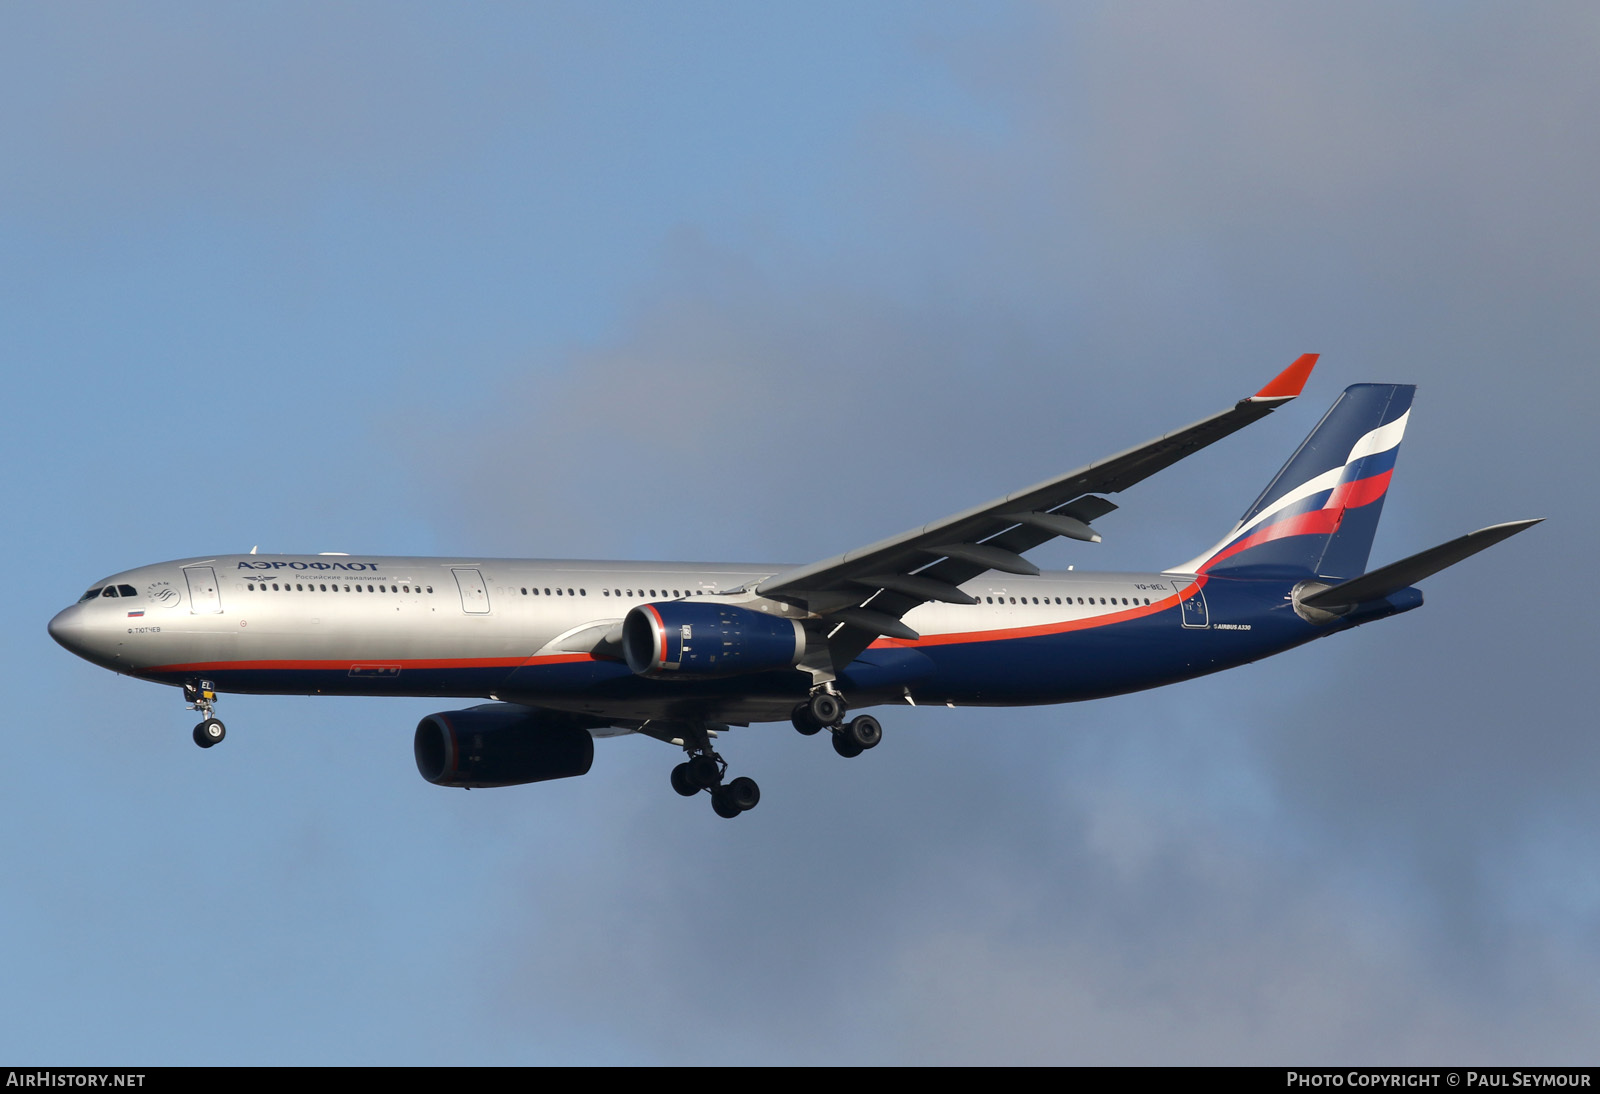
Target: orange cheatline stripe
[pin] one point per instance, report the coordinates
(345, 665)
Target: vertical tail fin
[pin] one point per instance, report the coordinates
(1319, 513)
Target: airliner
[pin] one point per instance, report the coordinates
(947, 613)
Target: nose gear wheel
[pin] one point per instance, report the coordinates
(209, 732)
(203, 698)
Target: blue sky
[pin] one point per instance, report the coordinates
(718, 281)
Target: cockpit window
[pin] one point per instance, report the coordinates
(111, 590)
(90, 595)
(127, 590)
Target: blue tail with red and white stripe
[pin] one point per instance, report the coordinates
(1317, 517)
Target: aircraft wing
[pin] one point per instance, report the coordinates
(870, 588)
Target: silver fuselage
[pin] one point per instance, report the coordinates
(500, 628)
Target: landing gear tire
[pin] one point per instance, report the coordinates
(723, 805)
(703, 772)
(844, 746)
(826, 709)
(682, 782)
(743, 792)
(803, 721)
(209, 732)
(864, 732)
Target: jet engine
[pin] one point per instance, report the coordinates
(693, 639)
(501, 744)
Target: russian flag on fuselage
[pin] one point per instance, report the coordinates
(1319, 514)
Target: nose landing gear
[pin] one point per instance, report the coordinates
(203, 697)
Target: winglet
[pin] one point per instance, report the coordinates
(1288, 383)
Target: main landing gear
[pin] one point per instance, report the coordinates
(203, 697)
(825, 710)
(705, 770)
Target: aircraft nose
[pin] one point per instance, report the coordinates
(68, 629)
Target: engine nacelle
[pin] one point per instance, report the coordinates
(500, 745)
(690, 638)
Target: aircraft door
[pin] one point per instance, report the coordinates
(474, 594)
(1193, 603)
(203, 596)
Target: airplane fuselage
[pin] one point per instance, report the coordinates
(494, 629)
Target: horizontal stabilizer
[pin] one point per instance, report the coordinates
(1408, 571)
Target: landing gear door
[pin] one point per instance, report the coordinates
(203, 596)
(474, 594)
(1192, 601)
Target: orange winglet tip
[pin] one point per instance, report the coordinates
(1291, 381)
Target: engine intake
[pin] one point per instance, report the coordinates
(500, 745)
(685, 638)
